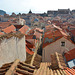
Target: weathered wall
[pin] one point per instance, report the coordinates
(11, 49)
(56, 47)
(21, 48)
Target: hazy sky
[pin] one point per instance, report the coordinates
(37, 6)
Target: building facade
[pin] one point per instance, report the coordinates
(12, 48)
(61, 45)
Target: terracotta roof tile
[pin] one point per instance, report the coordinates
(48, 28)
(70, 55)
(37, 32)
(24, 29)
(29, 36)
(51, 35)
(29, 44)
(31, 31)
(29, 51)
(9, 29)
(46, 70)
(38, 35)
(32, 41)
(1, 33)
(47, 43)
(73, 32)
(40, 30)
(67, 30)
(4, 24)
(70, 71)
(46, 67)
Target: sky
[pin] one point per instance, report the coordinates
(36, 6)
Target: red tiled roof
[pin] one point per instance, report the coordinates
(4, 24)
(73, 32)
(31, 31)
(55, 21)
(1, 33)
(9, 29)
(24, 29)
(40, 30)
(48, 28)
(32, 41)
(70, 71)
(29, 44)
(29, 51)
(29, 36)
(70, 55)
(51, 35)
(72, 27)
(13, 31)
(37, 34)
(47, 43)
(67, 30)
(45, 70)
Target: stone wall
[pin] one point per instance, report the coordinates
(12, 49)
(21, 48)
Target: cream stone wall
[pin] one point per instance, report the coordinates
(12, 49)
(21, 48)
(56, 47)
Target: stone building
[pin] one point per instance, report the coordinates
(3, 19)
(52, 13)
(12, 47)
(63, 11)
(61, 45)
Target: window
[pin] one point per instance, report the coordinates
(71, 63)
(62, 43)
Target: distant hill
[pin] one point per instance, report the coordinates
(2, 12)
